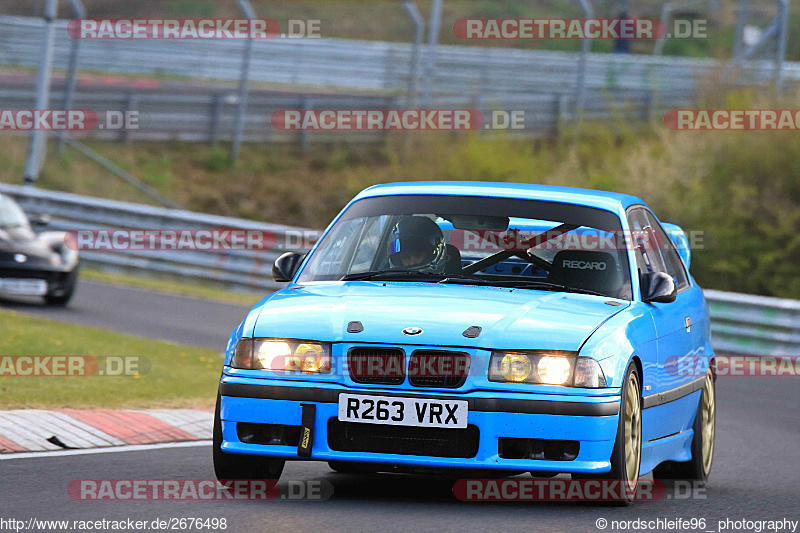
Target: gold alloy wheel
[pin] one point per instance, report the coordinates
(633, 431)
(709, 418)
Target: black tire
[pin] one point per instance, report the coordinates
(628, 428)
(228, 466)
(63, 298)
(699, 467)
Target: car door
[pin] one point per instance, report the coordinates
(673, 323)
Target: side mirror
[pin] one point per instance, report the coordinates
(39, 219)
(658, 287)
(285, 266)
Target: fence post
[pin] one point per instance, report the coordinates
(413, 71)
(413, 67)
(433, 41)
(38, 147)
(243, 82)
(741, 20)
(580, 89)
(69, 91)
(783, 34)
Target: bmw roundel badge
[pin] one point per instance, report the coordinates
(412, 330)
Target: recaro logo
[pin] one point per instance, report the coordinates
(584, 265)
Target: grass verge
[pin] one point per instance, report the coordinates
(179, 377)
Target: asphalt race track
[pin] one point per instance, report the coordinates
(182, 319)
(755, 475)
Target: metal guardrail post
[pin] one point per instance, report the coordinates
(216, 108)
(245, 6)
(305, 134)
(433, 42)
(560, 113)
(71, 82)
(649, 104)
(132, 105)
(39, 137)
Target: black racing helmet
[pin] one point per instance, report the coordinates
(417, 243)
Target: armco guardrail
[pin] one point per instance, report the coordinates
(206, 116)
(741, 323)
(748, 324)
(197, 114)
(236, 268)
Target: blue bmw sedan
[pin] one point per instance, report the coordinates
(495, 327)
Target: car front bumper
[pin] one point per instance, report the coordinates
(58, 279)
(590, 420)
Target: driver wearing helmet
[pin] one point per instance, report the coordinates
(417, 243)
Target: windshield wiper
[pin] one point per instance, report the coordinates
(391, 275)
(552, 286)
(464, 279)
(516, 284)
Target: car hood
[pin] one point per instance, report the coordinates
(510, 319)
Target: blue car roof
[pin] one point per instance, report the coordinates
(611, 201)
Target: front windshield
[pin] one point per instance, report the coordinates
(10, 213)
(475, 240)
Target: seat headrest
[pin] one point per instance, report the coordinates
(592, 270)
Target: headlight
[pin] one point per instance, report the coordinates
(283, 355)
(554, 370)
(547, 368)
(515, 367)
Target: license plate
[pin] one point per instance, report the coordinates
(24, 287)
(398, 411)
